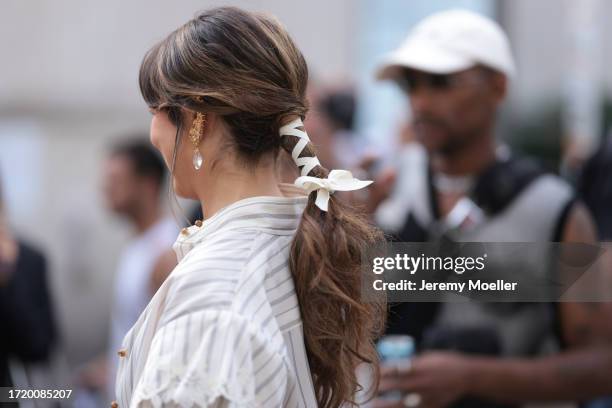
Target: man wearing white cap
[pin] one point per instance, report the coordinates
(455, 67)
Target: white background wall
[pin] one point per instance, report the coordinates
(539, 39)
(86, 53)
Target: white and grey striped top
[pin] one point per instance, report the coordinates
(224, 330)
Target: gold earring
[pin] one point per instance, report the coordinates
(195, 133)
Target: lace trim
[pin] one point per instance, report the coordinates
(188, 388)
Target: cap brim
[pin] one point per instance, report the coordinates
(428, 58)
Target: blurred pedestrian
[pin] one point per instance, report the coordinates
(27, 320)
(455, 67)
(596, 190)
(338, 108)
(134, 176)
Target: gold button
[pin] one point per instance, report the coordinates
(184, 231)
(114, 404)
(122, 352)
(198, 223)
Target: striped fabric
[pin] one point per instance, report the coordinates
(224, 330)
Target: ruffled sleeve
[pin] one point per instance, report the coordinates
(211, 358)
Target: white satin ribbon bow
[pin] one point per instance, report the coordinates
(337, 180)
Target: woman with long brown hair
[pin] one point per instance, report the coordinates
(264, 308)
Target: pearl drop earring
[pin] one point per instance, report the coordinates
(195, 134)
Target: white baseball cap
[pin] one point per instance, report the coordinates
(451, 41)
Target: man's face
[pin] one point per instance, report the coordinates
(451, 111)
(121, 185)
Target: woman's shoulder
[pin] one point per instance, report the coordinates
(230, 272)
(210, 275)
(203, 286)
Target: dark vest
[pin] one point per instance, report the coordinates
(520, 203)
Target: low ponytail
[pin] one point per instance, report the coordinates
(325, 261)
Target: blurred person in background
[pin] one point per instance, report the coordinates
(134, 176)
(27, 320)
(455, 68)
(331, 125)
(337, 108)
(133, 180)
(595, 189)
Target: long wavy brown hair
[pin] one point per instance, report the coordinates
(244, 67)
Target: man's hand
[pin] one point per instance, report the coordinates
(434, 380)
